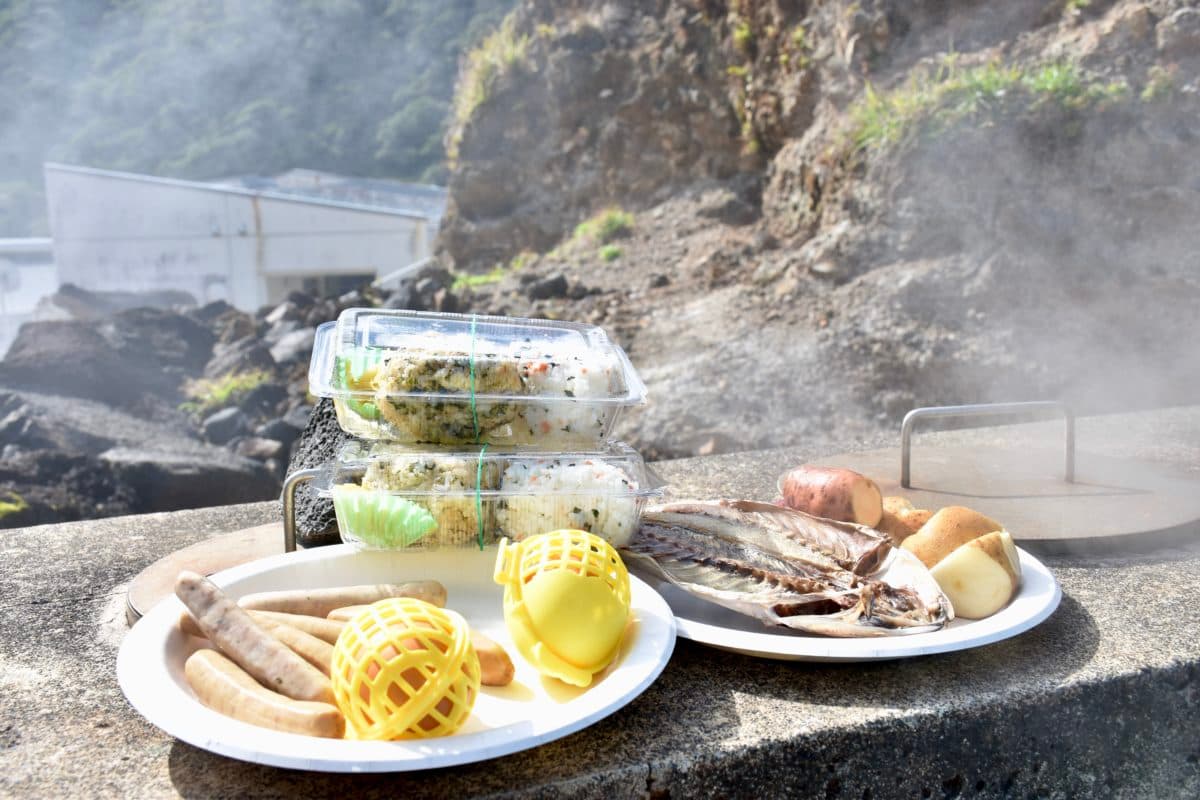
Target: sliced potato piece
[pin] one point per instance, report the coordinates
(946, 531)
(981, 576)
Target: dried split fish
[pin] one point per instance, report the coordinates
(788, 568)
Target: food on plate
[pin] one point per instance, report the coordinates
(900, 520)
(833, 493)
(572, 492)
(494, 663)
(382, 520)
(319, 602)
(231, 628)
(226, 688)
(948, 529)
(981, 576)
(566, 602)
(789, 568)
(404, 669)
(313, 650)
(446, 486)
(324, 629)
(495, 666)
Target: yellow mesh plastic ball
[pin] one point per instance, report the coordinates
(404, 669)
(566, 602)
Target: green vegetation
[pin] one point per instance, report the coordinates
(1160, 82)
(743, 37)
(930, 101)
(208, 395)
(206, 90)
(611, 223)
(495, 275)
(15, 504)
(610, 252)
(498, 54)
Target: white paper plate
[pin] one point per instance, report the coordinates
(717, 626)
(529, 712)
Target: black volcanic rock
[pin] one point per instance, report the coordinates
(317, 446)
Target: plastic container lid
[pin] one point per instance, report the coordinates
(424, 377)
(389, 496)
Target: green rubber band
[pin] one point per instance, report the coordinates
(479, 495)
(474, 412)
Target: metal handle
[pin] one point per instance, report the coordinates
(986, 410)
(289, 504)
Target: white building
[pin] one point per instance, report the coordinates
(27, 275)
(246, 240)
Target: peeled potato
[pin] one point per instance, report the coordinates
(900, 520)
(981, 576)
(946, 531)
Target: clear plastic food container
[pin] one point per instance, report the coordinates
(389, 496)
(422, 377)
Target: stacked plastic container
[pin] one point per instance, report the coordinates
(471, 428)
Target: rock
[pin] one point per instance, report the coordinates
(320, 313)
(263, 400)
(225, 424)
(659, 280)
(209, 312)
(117, 360)
(577, 291)
(281, 312)
(280, 429)
(168, 481)
(445, 301)
(234, 325)
(258, 448)
(317, 445)
(298, 416)
(351, 299)
(277, 331)
(300, 299)
(295, 346)
(85, 304)
(244, 355)
(547, 288)
(1179, 34)
(730, 209)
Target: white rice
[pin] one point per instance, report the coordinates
(445, 486)
(564, 492)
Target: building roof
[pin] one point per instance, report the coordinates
(372, 195)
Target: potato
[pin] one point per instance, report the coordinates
(900, 520)
(981, 576)
(946, 531)
(833, 493)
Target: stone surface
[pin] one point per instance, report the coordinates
(225, 424)
(162, 481)
(243, 355)
(294, 346)
(1101, 700)
(317, 446)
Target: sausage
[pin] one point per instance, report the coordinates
(231, 629)
(324, 629)
(313, 650)
(495, 666)
(319, 602)
(226, 688)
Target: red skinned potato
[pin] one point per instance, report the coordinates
(833, 493)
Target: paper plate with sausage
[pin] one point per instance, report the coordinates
(475, 696)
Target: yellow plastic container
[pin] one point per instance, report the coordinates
(404, 669)
(566, 602)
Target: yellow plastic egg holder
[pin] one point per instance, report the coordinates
(425, 687)
(566, 602)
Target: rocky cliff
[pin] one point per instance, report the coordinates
(803, 219)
